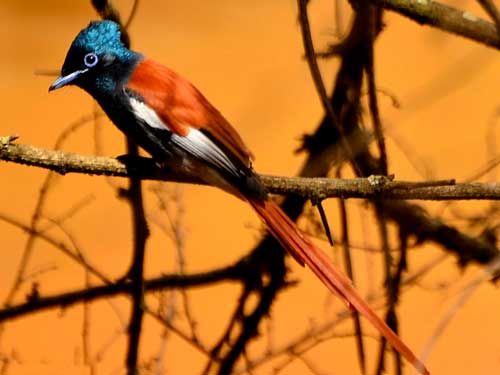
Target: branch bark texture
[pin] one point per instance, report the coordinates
(317, 188)
(445, 18)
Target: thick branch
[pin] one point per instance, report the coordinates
(319, 188)
(446, 18)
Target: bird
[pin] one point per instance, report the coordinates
(171, 120)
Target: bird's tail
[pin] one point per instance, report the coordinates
(306, 253)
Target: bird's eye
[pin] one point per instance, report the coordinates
(90, 60)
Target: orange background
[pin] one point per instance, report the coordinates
(246, 57)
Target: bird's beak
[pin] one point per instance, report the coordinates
(66, 80)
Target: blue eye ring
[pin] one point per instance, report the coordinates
(90, 60)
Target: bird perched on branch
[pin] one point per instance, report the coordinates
(171, 120)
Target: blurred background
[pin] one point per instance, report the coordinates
(247, 58)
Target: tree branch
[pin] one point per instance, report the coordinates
(319, 188)
(237, 271)
(446, 18)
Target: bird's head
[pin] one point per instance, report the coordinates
(97, 60)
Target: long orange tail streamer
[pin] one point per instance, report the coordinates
(306, 253)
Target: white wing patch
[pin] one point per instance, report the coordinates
(148, 115)
(195, 142)
(198, 144)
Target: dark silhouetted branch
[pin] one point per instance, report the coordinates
(236, 272)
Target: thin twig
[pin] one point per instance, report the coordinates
(186, 337)
(391, 317)
(59, 222)
(490, 271)
(58, 244)
(132, 14)
(350, 272)
(372, 89)
(318, 80)
(38, 210)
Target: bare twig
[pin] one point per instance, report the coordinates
(392, 290)
(38, 210)
(372, 90)
(490, 271)
(186, 337)
(177, 234)
(58, 244)
(318, 80)
(350, 272)
(132, 14)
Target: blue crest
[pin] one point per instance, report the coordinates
(102, 37)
